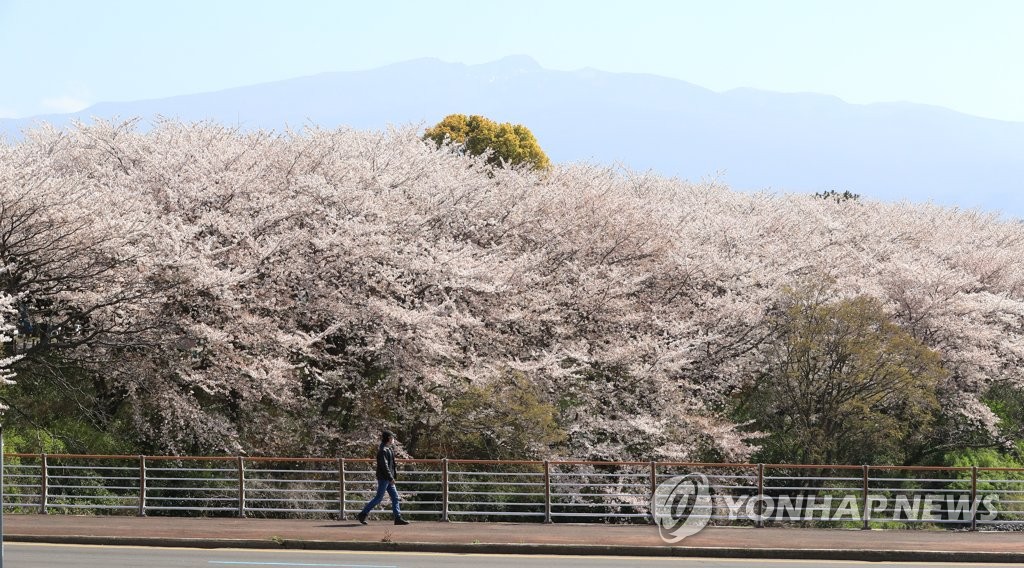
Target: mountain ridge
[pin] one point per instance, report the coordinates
(799, 142)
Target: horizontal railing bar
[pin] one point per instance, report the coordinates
(597, 495)
(334, 509)
(92, 467)
(898, 490)
(431, 513)
(262, 490)
(811, 466)
(798, 478)
(495, 462)
(107, 487)
(784, 488)
(493, 504)
(896, 485)
(498, 513)
(209, 479)
(556, 463)
(709, 476)
(922, 479)
(264, 459)
(422, 503)
(535, 494)
(203, 499)
(373, 473)
(570, 505)
(588, 475)
(112, 478)
(269, 500)
(295, 471)
(70, 506)
(612, 515)
(745, 488)
(497, 473)
(76, 456)
(563, 484)
(151, 489)
(403, 512)
(918, 468)
(192, 469)
(498, 483)
(292, 481)
(207, 509)
(418, 483)
(65, 496)
(279, 510)
(190, 458)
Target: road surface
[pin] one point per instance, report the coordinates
(24, 555)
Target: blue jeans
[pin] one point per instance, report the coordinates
(382, 486)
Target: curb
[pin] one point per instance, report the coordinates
(542, 549)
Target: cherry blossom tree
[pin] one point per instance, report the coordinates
(7, 334)
(220, 290)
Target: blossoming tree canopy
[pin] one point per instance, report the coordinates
(7, 333)
(196, 288)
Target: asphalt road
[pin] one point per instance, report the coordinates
(23, 555)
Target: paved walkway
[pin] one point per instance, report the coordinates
(559, 538)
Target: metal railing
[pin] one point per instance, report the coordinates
(548, 491)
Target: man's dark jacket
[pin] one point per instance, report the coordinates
(385, 463)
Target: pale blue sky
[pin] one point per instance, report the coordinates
(61, 55)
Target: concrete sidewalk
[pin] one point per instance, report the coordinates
(520, 538)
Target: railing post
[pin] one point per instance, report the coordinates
(654, 489)
(547, 491)
(142, 485)
(342, 498)
(760, 494)
(444, 490)
(865, 515)
(241, 486)
(44, 483)
(974, 497)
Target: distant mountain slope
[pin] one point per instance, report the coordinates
(786, 142)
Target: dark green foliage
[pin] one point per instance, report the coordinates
(506, 418)
(838, 197)
(842, 384)
(511, 144)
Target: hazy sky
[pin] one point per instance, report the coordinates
(62, 55)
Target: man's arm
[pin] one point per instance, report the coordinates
(391, 464)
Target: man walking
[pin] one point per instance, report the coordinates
(385, 480)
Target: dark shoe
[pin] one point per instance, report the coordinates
(361, 518)
(401, 521)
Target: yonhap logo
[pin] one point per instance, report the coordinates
(681, 506)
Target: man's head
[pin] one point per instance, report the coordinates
(386, 437)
